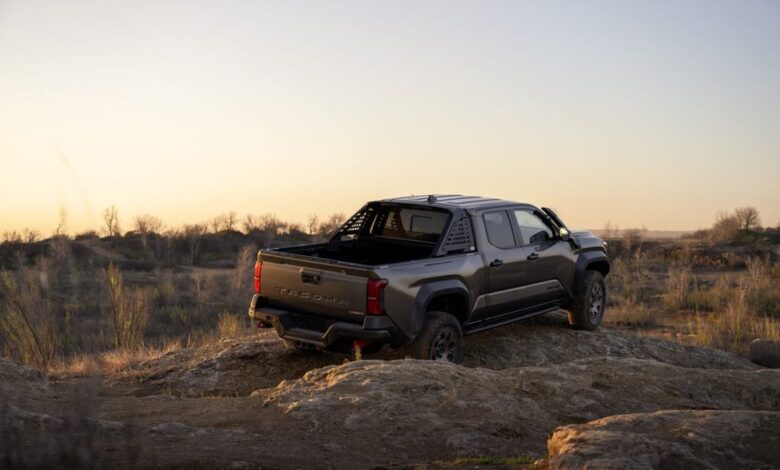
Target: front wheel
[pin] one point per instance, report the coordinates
(587, 310)
(441, 339)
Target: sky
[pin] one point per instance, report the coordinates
(634, 113)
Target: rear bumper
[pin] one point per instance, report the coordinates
(321, 331)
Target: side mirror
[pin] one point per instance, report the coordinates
(563, 234)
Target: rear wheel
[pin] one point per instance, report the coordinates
(587, 310)
(441, 339)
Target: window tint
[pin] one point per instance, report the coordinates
(409, 224)
(499, 229)
(532, 229)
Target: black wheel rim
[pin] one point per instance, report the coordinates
(445, 345)
(596, 308)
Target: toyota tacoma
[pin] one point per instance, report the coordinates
(420, 272)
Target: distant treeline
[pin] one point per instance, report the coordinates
(149, 244)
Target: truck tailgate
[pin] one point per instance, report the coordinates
(314, 285)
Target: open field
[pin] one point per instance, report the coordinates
(140, 355)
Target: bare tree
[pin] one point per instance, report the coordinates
(313, 224)
(244, 268)
(111, 221)
(193, 233)
(251, 223)
(230, 221)
(222, 222)
(747, 217)
(146, 224)
(331, 224)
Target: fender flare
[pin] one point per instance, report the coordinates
(430, 291)
(583, 261)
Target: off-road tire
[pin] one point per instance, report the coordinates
(299, 347)
(441, 339)
(587, 310)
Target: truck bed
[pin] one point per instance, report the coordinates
(374, 251)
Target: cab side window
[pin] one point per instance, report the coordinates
(499, 229)
(532, 229)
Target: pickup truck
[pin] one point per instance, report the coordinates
(420, 272)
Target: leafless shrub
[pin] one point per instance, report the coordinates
(29, 324)
(30, 236)
(146, 224)
(725, 228)
(610, 231)
(678, 288)
(634, 239)
(167, 293)
(626, 281)
(129, 311)
(12, 236)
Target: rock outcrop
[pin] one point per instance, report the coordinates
(669, 439)
(238, 366)
(765, 352)
(480, 411)
(249, 403)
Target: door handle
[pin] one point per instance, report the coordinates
(496, 263)
(532, 256)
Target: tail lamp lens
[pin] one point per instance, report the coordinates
(258, 270)
(375, 296)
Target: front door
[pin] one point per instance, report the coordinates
(549, 262)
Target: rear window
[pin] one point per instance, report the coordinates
(409, 224)
(499, 229)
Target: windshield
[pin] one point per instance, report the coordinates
(409, 223)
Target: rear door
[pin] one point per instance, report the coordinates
(324, 287)
(549, 262)
(505, 264)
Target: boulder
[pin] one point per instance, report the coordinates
(765, 352)
(688, 439)
(475, 411)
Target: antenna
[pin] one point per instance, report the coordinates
(431, 199)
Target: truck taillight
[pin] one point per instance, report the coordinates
(375, 297)
(258, 270)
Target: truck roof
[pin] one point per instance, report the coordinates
(454, 201)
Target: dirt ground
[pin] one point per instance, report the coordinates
(248, 403)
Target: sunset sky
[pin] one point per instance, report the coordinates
(655, 114)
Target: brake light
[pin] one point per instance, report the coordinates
(258, 270)
(375, 298)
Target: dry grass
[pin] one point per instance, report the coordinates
(632, 315)
(130, 311)
(110, 363)
(230, 326)
(735, 328)
(678, 288)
